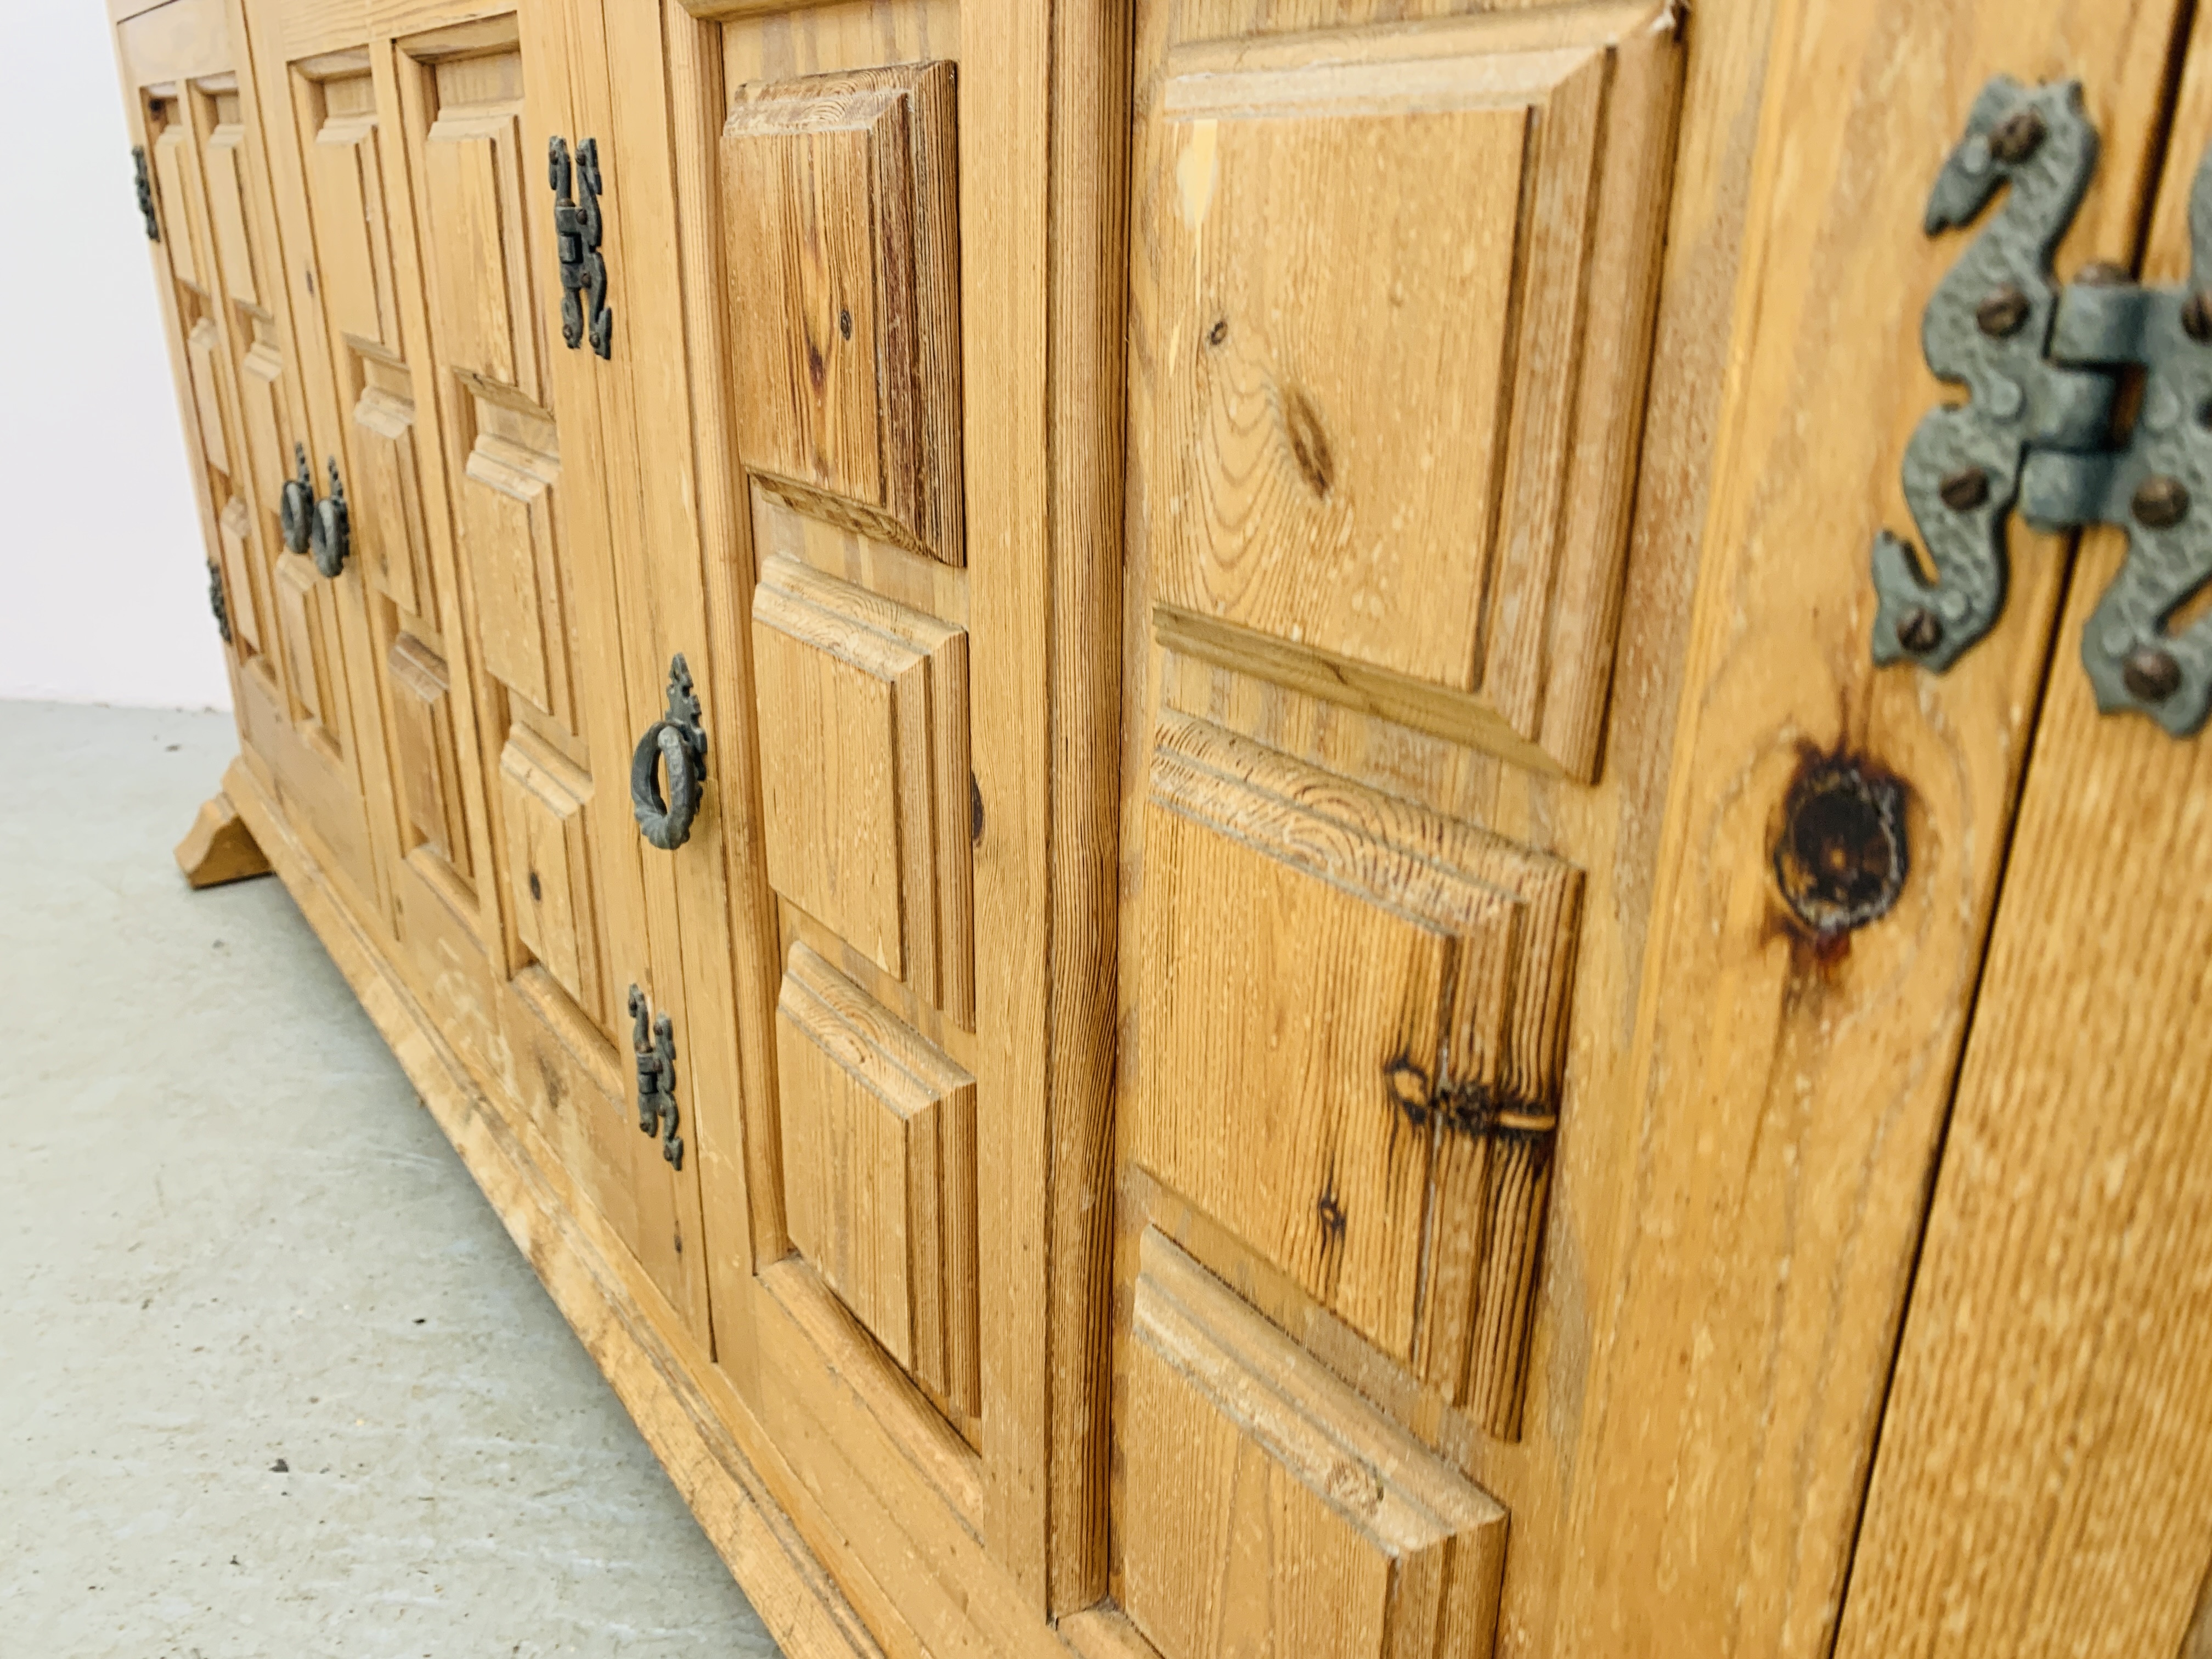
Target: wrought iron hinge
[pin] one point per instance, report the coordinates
(2042, 366)
(655, 1039)
(216, 603)
(576, 226)
(146, 193)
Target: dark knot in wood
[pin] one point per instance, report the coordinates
(1841, 859)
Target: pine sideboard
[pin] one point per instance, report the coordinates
(1266, 827)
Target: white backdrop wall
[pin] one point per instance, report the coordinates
(103, 577)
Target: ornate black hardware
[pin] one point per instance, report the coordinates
(576, 226)
(2043, 367)
(330, 538)
(216, 602)
(677, 742)
(295, 504)
(653, 1038)
(146, 196)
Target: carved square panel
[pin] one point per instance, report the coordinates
(474, 179)
(548, 862)
(1351, 1021)
(389, 533)
(227, 208)
(879, 1174)
(299, 599)
(862, 706)
(233, 524)
(428, 762)
(840, 233)
(1399, 422)
(1268, 1509)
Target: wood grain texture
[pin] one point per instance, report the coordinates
(862, 709)
(1284, 1513)
(1452, 518)
(219, 848)
(1353, 1021)
(1791, 1088)
(2043, 1482)
(839, 204)
(879, 1171)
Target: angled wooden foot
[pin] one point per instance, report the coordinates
(219, 848)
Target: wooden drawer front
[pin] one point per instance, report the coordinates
(1269, 1509)
(862, 705)
(1400, 413)
(839, 194)
(879, 1185)
(1352, 1015)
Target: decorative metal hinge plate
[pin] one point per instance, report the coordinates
(146, 193)
(653, 1038)
(2042, 367)
(577, 227)
(216, 602)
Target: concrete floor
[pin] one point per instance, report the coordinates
(273, 1380)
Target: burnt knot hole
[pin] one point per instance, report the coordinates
(1331, 1213)
(1410, 1090)
(1309, 443)
(845, 323)
(1218, 332)
(1841, 856)
(536, 887)
(817, 372)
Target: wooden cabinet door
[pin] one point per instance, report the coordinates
(2041, 1484)
(479, 437)
(298, 638)
(1391, 329)
(333, 133)
(1548, 935)
(910, 675)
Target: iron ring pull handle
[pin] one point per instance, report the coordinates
(676, 744)
(330, 537)
(323, 529)
(295, 504)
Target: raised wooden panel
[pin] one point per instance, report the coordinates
(879, 1174)
(547, 863)
(345, 192)
(299, 624)
(203, 352)
(172, 156)
(1399, 423)
(389, 534)
(863, 715)
(233, 525)
(226, 198)
(474, 181)
(261, 411)
(428, 762)
(1352, 1023)
(1269, 1509)
(505, 537)
(841, 243)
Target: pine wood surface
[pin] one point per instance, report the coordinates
(1364, 808)
(1789, 1097)
(2042, 1484)
(219, 848)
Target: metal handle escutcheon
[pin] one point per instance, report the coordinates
(676, 744)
